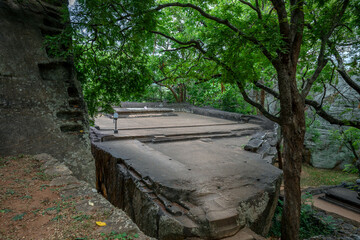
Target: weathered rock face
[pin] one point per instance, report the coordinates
(327, 151)
(41, 105)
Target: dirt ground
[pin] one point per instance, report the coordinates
(31, 209)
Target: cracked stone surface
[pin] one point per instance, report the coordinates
(206, 186)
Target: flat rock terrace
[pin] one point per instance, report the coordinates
(181, 175)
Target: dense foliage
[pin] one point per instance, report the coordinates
(212, 94)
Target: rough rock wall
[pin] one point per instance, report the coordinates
(327, 151)
(41, 105)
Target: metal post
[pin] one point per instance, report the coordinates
(116, 115)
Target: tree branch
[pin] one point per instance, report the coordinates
(225, 22)
(280, 8)
(321, 62)
(296, 29)
(177, 49)
(267, 89)
(253, 7)
(202, 80)
(322, 113)
(342, 71)
(255, 104)
(191, 43)
(243, 92)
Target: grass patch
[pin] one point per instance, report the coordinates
(5, 210)
(10, 192)
(18, 217)
(26, 197)
(81, 217)
(119, 236)
(3, 162)
(314, 177)
(43, 176)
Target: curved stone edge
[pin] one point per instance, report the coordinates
(147, 207)
(260, 210)
(93, 202)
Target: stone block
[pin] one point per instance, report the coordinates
(253, 145)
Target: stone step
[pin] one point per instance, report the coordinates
(183, 136)
(72, 116)
(174, 126)
(225, 231)
(145, 115)
(75, 103)
(128, 111)
(245, 234)
(223, 223)
(72, 128)
(190, 137)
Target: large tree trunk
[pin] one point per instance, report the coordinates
(182, 92)
(293, 149)
(293, 130)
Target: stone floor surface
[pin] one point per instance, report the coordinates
(202, 164)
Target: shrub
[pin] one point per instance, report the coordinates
(310, 224)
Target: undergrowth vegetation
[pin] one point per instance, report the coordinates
(310, 224)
